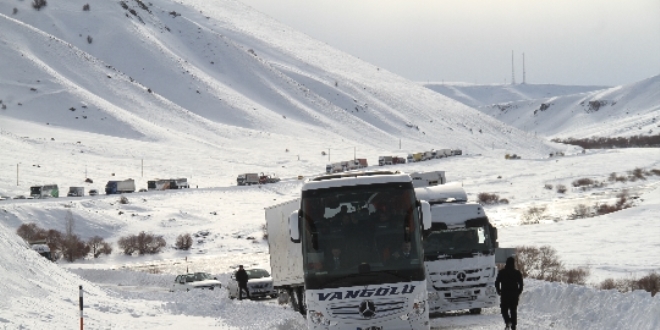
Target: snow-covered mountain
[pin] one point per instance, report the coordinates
(200, 79)
(567, 111)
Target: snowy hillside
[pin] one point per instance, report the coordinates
(566, 111)
(208, 80)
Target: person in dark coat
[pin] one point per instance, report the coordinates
(242, 279)
(509, 286)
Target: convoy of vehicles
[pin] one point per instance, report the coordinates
(390, 160)
(120, 187)
(348, 165)
(370, 219)
(260, 284)
(459, 252)
(45, 191)
(199, 280)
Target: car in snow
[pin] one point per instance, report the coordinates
(93, 192)
(260, 284)
(143, 190)
(199, 280)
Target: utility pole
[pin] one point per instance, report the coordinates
(399, 144)
(524, 81)
(354, 153)
(328, 155)
(142, 168)
(17, 175)
(513, 74)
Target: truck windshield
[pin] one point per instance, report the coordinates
(457, 242)
(361, 236)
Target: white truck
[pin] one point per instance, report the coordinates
(45, 191)
(120, 187)
(327, 252)
(76, 192)
(459, 252)
(247, 179)
(426, 179)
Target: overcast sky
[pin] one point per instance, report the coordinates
(570, 42)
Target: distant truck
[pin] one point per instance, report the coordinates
(390, 160)
(442, 153)
(459, 252)
(120, 187)
(247, 179)
(416, 157)
(267, 178)
(456, 152)
(164, 184)
(427, 179)
(45, 191)
(76, 192)
(42, 248)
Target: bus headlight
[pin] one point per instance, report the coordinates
(317, 318)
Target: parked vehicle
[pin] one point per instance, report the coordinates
(199, 280)
(398, 160)
(76, 192)
(427, 179)
(45, 191)
(456, 152)
(416, 157)
(385, 160)
(459, 252)
(247, 179)
(267, 178)
(365, 290)
(427, 155)
(120, 187)
(93, 192)
(41, 247)
(260, 284)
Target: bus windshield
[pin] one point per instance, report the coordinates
(361, 235)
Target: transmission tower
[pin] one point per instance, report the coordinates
(524, 80)
(513, 74)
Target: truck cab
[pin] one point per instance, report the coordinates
(459, 252)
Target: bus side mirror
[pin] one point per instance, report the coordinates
(426, 215)
(294, 227)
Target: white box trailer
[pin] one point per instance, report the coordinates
(286, 261)
(427, 179)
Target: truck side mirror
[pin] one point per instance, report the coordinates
(294, 227)
(426, 215)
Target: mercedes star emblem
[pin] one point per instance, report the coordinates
(461, 276)
(367, 309)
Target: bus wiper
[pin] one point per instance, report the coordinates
(349, 276)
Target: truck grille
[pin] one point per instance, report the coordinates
(351, 311)
(461, 277)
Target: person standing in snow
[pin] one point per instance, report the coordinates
(242, 279)
(509, 286)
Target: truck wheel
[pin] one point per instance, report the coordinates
(475, 311)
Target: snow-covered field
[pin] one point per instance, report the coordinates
(208, 90)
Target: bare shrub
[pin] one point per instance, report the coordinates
(128, 244)
(123, 200)
(638, 173)
(149, 244)
(548, 186)
(264, 230)
(655, 172)
(486, 198)
(650, 283)
(607, 284)
(580, 211)
(533, 215)
(74, 248)
(30, 232)
(89, 39)
(503, 201)
(14, 11)
(539, 263)
(584, 182)
(86, 7)
(612, 177)
(561, 188)
(99, 246)
(576, 276)
(38, 4)
(184, 242)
